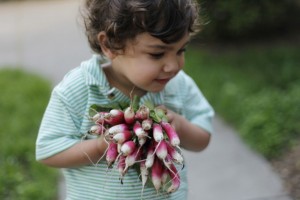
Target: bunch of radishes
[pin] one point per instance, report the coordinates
(141, 136)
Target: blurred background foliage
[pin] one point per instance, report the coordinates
(244, 19)
(256, 89)
(22, 103)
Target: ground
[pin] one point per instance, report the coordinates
(288, 167)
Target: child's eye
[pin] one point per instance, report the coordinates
(181, 51)
(156, 55)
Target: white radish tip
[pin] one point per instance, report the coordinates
(171, 189)
(96, 117)
(175, 142)
(156, 183)
(125, 149)
(142, 141)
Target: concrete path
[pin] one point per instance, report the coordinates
(44, 38)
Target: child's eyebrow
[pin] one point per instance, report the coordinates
(158, 46)
(164, 47)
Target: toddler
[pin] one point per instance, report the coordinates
(139, 50)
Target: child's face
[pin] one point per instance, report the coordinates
(147, 64)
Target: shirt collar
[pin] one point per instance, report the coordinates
(94, 74)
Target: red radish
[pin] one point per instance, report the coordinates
(112, 153)
(114, 117)
(161, 150)
(176, 157)
(128, 148)
(96, 117)
(142, 113)
(150, 157)
(172, 135)
(156, 174)
(117, 129)
(175, 179)
(97, 129)
(132, 158)
(167, 161)
(142, 141)
(157, 132)
(129, 115)
(138, 130)
(147, 124)
(116, 113)
(122, 137)
(99, 117)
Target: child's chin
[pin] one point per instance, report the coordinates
(156, 90)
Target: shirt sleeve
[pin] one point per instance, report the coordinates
(183, 96)
(57, 130)
(196, 107)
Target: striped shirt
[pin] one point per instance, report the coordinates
(65, 122)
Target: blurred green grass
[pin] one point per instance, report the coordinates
(257, 90)
(23, 100)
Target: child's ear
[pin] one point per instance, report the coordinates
(102, 37)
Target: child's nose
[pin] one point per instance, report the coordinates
(172, 65)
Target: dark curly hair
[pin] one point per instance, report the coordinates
(123, 20)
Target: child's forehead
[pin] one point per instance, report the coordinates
(148, 41)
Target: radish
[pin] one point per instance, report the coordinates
(132, 158)
(117, 129)
(112, 153)
(147, 124)
(172, 135)
(138, 130)
(117, 113)
(122, 137)
(167, 161)
(150, 156)
(96, 118)
(114, 117)
(97, 130)
(175, 179)
(99, 118)
(142, 113)
(161, 150)
(128, 148)
(142, 141)
(176, 157)
(129, 115)
(157, 132)
(156, 174)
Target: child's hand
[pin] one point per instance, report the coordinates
(102, 144)
(191, 136)
(173, 118)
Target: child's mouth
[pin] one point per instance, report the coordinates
(162, 81)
